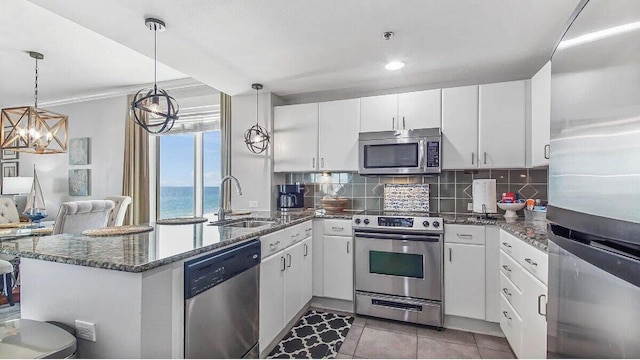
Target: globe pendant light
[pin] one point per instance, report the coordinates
(153, 109)
(33, 130)
(257, 138)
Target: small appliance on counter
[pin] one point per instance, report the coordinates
(290, 197)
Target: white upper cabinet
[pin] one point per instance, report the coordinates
(539, 123)
(295, 139)
(460, 128)
(339, 122)
(419, 110)
(379, 113)
(414, 110)
(501, 125)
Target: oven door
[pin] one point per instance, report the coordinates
(392, 156)
(399, 264)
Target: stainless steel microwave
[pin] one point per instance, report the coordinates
(406, 152)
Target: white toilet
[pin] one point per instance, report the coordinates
(30, 339)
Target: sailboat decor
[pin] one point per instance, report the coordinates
(35, 209)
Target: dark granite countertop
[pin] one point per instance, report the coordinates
(534, 233)
(141, 252)
(170, 243)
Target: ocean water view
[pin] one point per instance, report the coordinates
(178, 200)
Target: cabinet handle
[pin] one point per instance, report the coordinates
(506, 314)
(283, 262)
(506, 244)
(473, 158)
(468, 236)
(506, 291)
(274, 246)
(404, 127)
(348, 246)
(539, 306)
(547, 151)
(485, 158)
(313, 163)
(393, 123)
(295, 235)
(337, 228)
(449, 254)
(306, 250)
(530, 262)
(322, 163)
(506, 268)
(289, 257)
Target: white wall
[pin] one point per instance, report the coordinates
(254, 171)
(101, 120)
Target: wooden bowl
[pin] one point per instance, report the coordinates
(334, 206)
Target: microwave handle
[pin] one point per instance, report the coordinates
(422, 158)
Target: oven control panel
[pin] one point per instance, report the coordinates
(398, 222)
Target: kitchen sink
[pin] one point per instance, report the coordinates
(251, 223)
(245, 223)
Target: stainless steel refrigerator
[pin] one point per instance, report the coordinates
(593, 308)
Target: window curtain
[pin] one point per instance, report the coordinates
(135, 179)
(225, 129)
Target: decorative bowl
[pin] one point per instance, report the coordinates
(511, 208)
(334, 205)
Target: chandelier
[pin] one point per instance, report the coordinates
(257, 138)
(153, 109)
(33, 130)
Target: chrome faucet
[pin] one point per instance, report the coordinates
(221, 211)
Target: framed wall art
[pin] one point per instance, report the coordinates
(79, 151)
(79, 182)
(10, 169)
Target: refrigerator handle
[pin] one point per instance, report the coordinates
(540, 306)
(547, 151)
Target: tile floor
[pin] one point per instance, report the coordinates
(375, 339)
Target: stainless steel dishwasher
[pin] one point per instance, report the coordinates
(221, 307)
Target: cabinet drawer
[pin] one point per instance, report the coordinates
(337, 227)
(307, 229)
(295, 234)
(511, 269)
(535, 261)
(511, 293)
(510, 244)
(464, 234)
(511, 325)
(274, 242)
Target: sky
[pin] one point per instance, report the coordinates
(176, 159)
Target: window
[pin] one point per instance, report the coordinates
(188, 164)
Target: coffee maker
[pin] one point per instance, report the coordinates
(290, 197)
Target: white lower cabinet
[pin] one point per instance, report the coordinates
(286, 279)
(464, 280)
(464, 271)
(523, 295)
(271, 298)
(338, 267)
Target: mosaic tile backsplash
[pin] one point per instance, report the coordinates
(406, 197)
(449, 193)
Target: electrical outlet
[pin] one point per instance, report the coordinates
(470, 206)
(86, 330)
(253, 204)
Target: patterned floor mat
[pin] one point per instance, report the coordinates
(317, 335)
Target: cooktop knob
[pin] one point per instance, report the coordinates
(366, 221)
(436, 224)
(425, 223)
(357, 221)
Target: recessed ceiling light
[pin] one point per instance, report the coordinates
(394, 65)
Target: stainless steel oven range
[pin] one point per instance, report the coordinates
(398, 266)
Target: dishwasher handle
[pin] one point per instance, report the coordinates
(205, 272)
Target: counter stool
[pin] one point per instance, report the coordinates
(30, 339)
(6, 270)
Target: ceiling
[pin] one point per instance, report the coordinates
(293, 47)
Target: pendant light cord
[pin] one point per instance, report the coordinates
(155, 59)
(35, 89)
(257, 111)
